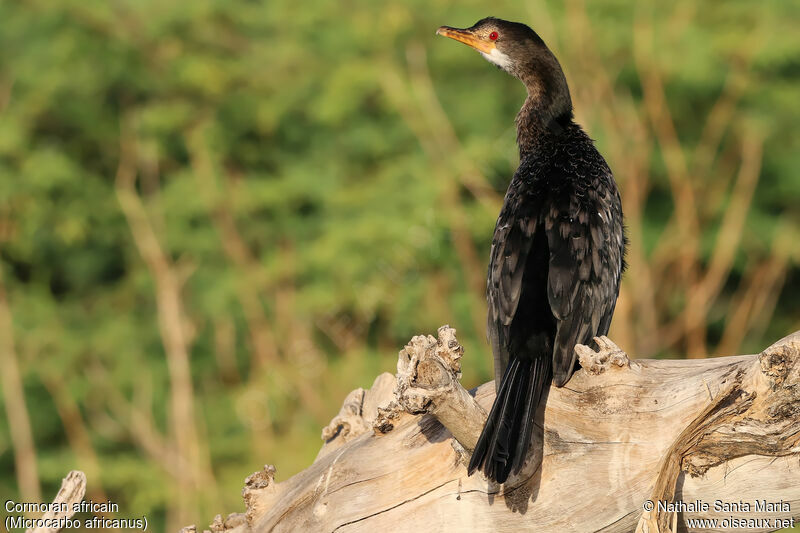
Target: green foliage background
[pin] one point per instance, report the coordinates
(322, 181)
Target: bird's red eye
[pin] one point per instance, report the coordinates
(493, 36)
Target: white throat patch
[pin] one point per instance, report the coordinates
(498, 58)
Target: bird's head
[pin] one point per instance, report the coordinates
(518, 50)
(509, 45)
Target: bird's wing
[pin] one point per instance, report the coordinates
(585, 242)
(510, 246)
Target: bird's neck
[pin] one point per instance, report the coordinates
(547, 109)
(536, 122)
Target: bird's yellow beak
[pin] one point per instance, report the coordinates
(468, 38)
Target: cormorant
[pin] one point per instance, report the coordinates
(557, 251)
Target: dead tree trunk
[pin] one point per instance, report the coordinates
(683, 434)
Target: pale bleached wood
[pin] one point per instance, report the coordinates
(428, 374)
(73, 488)
(620, 432)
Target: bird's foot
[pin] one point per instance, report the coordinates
(608, 355)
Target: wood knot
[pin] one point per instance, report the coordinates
(775, 364)
(608, 355)
(261, 479)
(448, 349)
(430, 374)
(386, 419)
(218, 525)
(349, 423)
(235, 520)
(779, 359)
(259, 491)
(427, 369)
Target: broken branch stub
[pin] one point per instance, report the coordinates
(428, 381)
(73, 488)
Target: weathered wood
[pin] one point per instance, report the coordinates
(619, 433)
(428, 374)
(73, 488)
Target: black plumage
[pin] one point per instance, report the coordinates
(557, 251)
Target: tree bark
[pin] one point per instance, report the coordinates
(722, 432)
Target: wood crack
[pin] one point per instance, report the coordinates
(394, 506)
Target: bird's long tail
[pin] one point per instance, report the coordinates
(506, 436)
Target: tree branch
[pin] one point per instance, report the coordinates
(16, 409)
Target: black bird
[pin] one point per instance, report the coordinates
(557, 251)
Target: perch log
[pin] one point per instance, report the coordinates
(620, 433)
